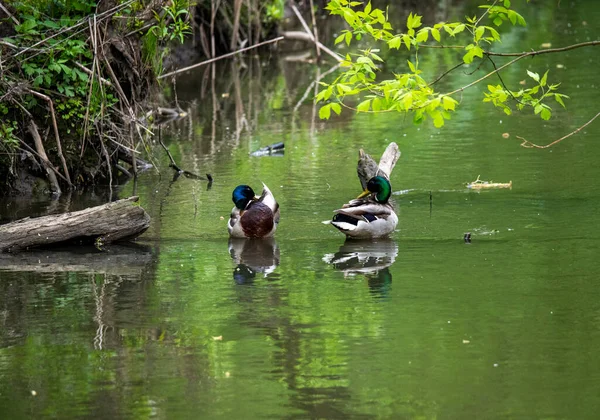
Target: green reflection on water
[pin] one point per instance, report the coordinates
(422, 326)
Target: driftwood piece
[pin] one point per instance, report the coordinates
(367, 168)
(116, 221)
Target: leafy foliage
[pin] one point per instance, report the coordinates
(171, 24)
(409, 91)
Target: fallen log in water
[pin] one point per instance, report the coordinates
(116, 221)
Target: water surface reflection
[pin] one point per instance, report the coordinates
(253, 256)
(369, 258)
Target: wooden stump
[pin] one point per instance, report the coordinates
(367, 168)
(116, 221)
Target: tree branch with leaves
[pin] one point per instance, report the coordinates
(409, 92)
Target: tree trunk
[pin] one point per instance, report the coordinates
(116, 221)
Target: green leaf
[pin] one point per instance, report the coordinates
(336, 107)
(364, 106)
(409, 21)
(473, 51)
(546, 114)
(557, 97)
(339, 39)
(435, 34)
(406, 40)
(325, 112)
(533, 75)
(459, 29)
(26, 26)
(423, 35)
(498, 21)
(368, 8)
(479, 33)
(411, 66)
(376, 104)
(537, 109)
(376, 57)
(342, 88)
(407, 101)
(394, 42)
(438, 119)
(494, 33)
(348, 38)
(448, 103)
(544, 78)
(349, 16)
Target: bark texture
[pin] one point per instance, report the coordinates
(367, 168)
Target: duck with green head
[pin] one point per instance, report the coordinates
(252, 216)
(370, 215)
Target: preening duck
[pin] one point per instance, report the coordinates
(252, 216)
(370, 215)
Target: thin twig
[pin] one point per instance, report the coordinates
(56, 135)
(93, 36)
(546, 51)
(45, 161)
(308, 89)
(279, 38)
(315, 30)
(485, 13)
(446, 73)
(504, 84)
(42, 153)
(108, 164)
(312, 37)
(91, 73)
(530, 145)
(14, 19)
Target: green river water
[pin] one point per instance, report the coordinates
(423, 325)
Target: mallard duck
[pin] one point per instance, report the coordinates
(369, 215)
(252, 216)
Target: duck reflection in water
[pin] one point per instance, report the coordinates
(253, 256)
(371, 258)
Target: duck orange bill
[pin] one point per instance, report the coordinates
(364, 194)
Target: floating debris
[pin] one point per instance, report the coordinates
(275, 149)
(218, 338)
(467, 237)
(505, 135)
(478, 184)
(161, 116)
